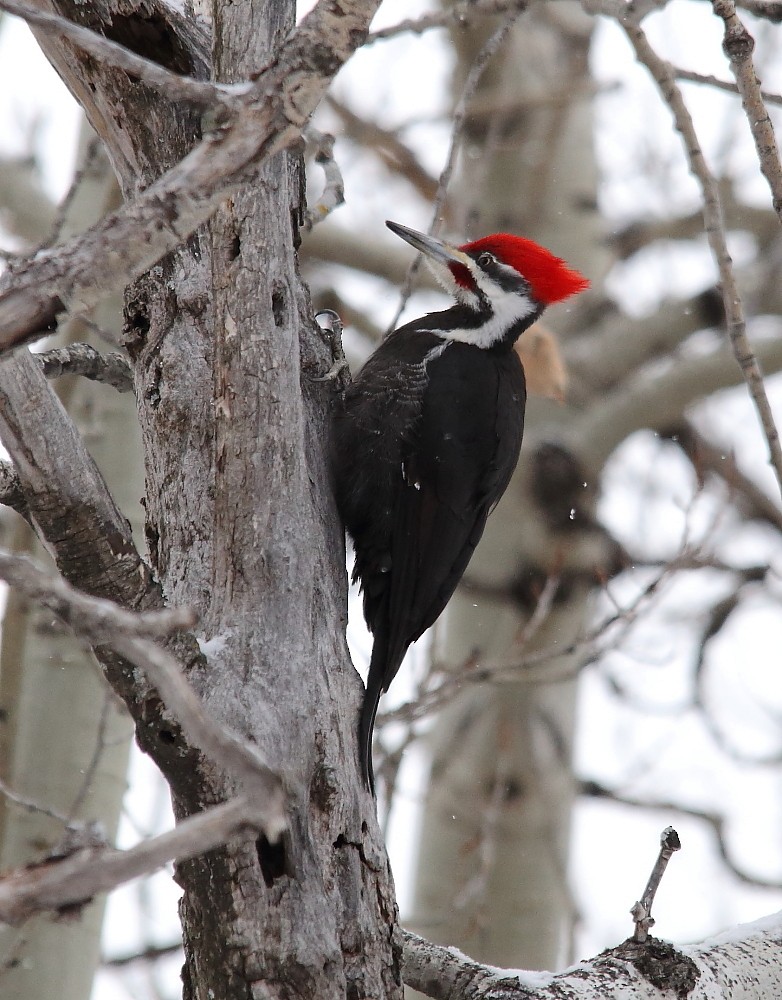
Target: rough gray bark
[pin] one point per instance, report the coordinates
(743, 966)
(241, 526)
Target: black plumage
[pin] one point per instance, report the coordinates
(427, 438)
(426, 461)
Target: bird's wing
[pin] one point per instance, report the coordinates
(455, 469)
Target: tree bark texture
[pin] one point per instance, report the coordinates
(242, 527)
(742, 964)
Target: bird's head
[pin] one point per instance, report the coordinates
(504, 279)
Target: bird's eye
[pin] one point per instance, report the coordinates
(486, 259)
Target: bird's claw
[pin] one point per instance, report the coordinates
(331, 324)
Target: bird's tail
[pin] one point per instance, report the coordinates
(382, 667)
(372, 694)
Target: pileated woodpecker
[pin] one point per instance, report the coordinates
(428, 437)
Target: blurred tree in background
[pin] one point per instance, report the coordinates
(610, 662)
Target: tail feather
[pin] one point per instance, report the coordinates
(366, 728)
(382, 668)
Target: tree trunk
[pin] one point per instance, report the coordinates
(242, 526)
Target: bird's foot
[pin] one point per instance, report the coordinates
(331, 325)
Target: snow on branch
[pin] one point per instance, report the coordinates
(266, 117)
(742, 964)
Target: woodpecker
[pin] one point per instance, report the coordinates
(428, 436)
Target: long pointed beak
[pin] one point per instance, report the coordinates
(436, 249)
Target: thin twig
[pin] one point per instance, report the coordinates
(65, 882)
(477, 69)
(688, 76)
(172, 85)
(458, 14)
(333, 194)
(642, 910)
(663, 74)
(738, 46)
(151, 954)
(97, 752)
(30, 805)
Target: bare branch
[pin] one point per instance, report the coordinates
(642, 910)
(658, 401)
(333, 194)
(172, 85)
(663, 75)
(82, 359)
(267, 118)
(700, 971)
(738, 45)
(387, 145)
(477, 69)
(688, 76)
(459, 14)
(99, 619)
(715, 232)
(127, 633)
(62, 883)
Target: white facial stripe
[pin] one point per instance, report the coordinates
(508, 308)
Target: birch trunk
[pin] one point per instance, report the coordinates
(65, 736)
(492, 865)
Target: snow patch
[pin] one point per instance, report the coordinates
(214, 646)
